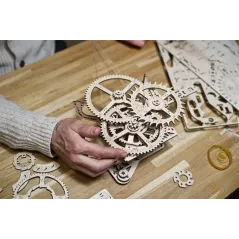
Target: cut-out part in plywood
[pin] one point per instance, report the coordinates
(181, 183)
(46, 168)
(41, 185)
(124, 171)
(136, 137)
(24, 176)
(104, 194)
(212, 62)
(23, 161)
(222, 113)
(152, 103)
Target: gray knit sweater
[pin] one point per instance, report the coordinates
(23, 129)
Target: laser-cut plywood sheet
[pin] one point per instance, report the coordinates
(215, 62)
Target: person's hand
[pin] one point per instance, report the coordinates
(68, 142)
(138, 43)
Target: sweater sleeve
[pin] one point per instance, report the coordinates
(23, 129)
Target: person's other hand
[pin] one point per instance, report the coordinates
(138, 43)
(68, 142)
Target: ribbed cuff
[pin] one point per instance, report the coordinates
(22, 129)
(41, 133)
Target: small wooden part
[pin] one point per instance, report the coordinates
(1, 190)
(23, 156)
(46, 168)
(104, 194)
(152, 186)
(124, 171)
(24, 175)
(183, 184)
(224, 156)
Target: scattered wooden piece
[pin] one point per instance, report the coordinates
(46, 168)
(104, 194)
(181, 183)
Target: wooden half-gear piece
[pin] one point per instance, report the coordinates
(41, 185)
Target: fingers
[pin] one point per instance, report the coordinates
(102, 152)
(138, 43)
(87, 171)
(92, 164)
(85, 130)
(84, 164)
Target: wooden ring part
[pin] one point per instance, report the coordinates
(225, 153)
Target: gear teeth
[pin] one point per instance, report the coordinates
(40, 175)
(109, 123)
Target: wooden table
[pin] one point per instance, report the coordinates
(50, 86)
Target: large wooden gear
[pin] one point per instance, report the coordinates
(117, 97)
(155, 108)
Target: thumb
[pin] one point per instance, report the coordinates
(138, 43)
(86, 130)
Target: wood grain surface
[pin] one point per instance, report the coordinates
(51, 85)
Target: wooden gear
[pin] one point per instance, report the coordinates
(183, 184)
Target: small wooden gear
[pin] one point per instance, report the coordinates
(29, 158)
(183, 184)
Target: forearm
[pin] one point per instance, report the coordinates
(22, 129)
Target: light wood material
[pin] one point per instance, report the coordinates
(50, 86)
